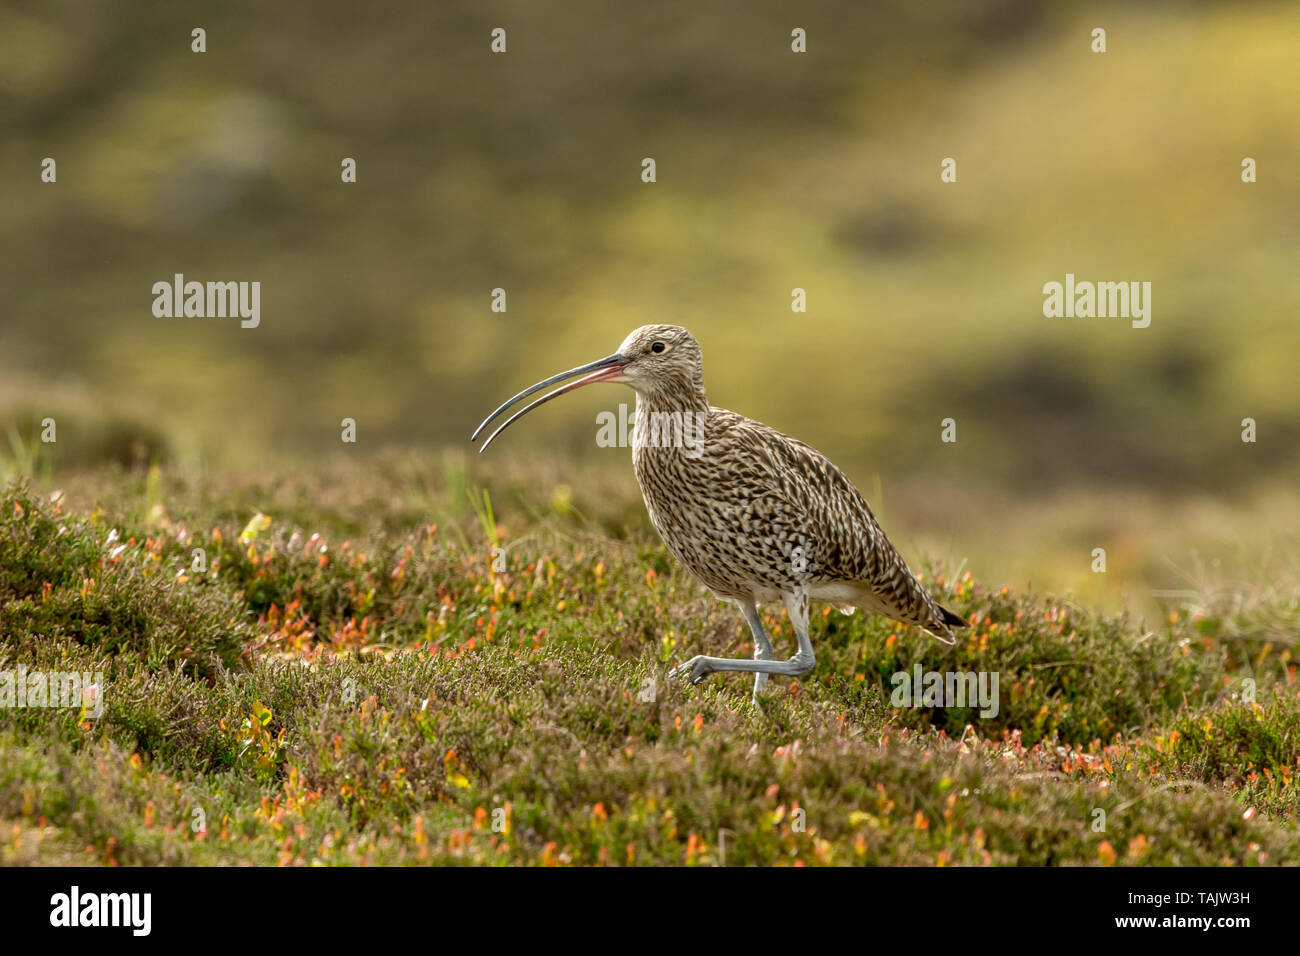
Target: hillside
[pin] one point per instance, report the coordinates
(350, 681)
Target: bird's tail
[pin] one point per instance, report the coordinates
(951, 619)
(942, 623)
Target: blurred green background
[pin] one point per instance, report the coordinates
(775, 171)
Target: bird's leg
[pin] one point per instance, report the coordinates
(698, 668)
(796, 604)
(762, 643)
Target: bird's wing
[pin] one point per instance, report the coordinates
(841, 539)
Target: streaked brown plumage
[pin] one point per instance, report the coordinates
(754, 514)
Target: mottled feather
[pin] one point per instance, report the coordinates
(754, 513)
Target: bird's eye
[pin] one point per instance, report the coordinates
(658, 347)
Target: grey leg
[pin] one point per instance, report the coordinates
(762, 644)
(796, 605)
(698, 668)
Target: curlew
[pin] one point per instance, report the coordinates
(754, 514)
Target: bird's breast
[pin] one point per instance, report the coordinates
(714, 525)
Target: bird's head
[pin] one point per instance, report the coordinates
(662, 358)
(657, 360)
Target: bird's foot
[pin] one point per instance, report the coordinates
(694, 670)
(802, 664)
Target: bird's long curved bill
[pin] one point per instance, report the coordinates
(608, 369)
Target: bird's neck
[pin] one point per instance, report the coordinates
(675, 421)
(688, 397)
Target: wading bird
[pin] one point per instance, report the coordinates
(754, 514)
